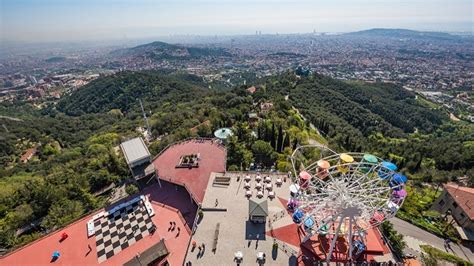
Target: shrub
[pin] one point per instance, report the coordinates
(233, 168)
(131, 189)
(396, 240)
(434, 254)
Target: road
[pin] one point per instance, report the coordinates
(407, 229)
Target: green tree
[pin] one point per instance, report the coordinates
(49, 149)
(131, 189)
(279, 146)
(273, 137)
(263, 152)
(396, 239)
(62, 212)
(286, 141)
(238, 154)
(204, 130)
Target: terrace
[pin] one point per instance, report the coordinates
(80, 249)
(212, 158)
(226, 227)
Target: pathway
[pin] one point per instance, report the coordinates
(11, 118)
(413, 232)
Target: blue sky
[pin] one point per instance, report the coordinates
(65, 20)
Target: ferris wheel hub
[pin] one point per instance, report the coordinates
(351, 212)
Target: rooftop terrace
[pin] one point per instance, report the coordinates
(212, 158)
(75, 249)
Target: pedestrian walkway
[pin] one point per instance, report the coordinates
(415, 236)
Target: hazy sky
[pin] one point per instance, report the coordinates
(59, 20)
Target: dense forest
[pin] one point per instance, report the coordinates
(388, 121)
(122, 91)
(77, 158)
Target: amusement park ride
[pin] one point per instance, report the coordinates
(341, 196)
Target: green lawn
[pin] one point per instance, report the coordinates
(426, 102)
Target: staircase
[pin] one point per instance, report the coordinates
(222, 181)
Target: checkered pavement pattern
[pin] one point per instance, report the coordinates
(121, 229)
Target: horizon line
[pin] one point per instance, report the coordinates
(125, 38)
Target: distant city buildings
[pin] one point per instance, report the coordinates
(443, 67)
(18, 86)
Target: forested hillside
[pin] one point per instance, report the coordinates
(123, 90)
(76, 143)
(386, 120)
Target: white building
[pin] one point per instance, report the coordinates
(138, 157)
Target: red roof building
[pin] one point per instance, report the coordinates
(252, 90)
(459, 202)
(266, 106)
(170, 201)
(28, 155)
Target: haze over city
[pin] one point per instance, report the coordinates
(236, 132)
(56, 20)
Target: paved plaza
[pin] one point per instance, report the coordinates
(226, 208)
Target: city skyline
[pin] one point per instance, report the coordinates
(56, 20)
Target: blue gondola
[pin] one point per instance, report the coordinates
(298, 216)
(395, 186)
(397, 182)
(308, 223)
(387, 169)
(358, 247)
(399, 178)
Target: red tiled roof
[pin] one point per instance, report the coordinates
(252, 89)
(28, 154)
(463, 196)
(212, 159)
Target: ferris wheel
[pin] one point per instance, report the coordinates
(339, 196)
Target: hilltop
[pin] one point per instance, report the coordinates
(160, 50)
(123, 90)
